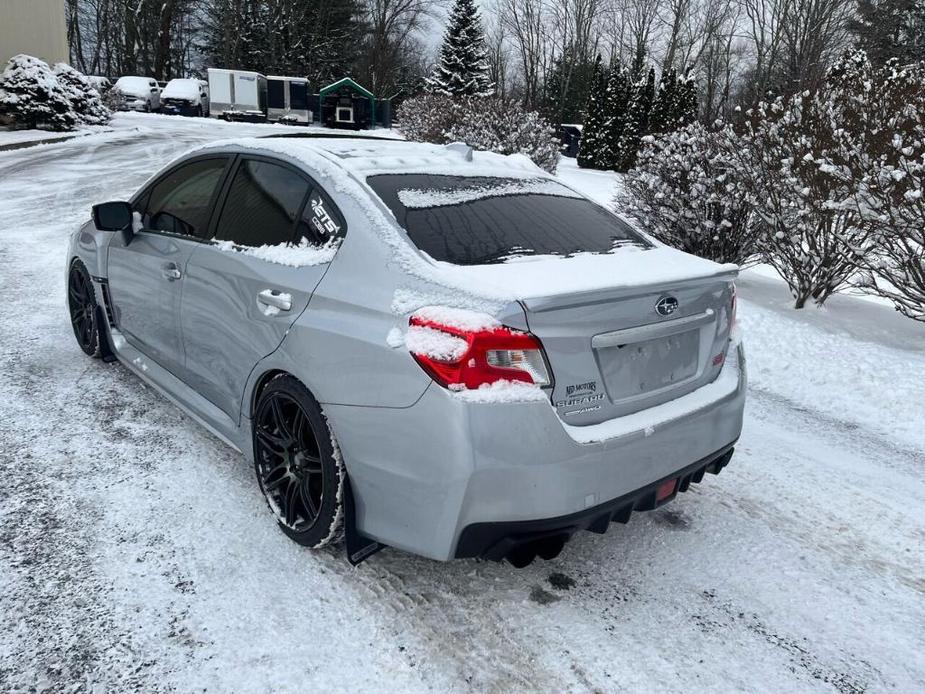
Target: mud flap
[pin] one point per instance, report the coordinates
(359, 547)
(107, 353)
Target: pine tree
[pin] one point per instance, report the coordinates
(31, 94)
(592, 134)
(567, 87)
(685, 104)
(664, 107)
(637, 121)
(616, 107)
(85, 100)
(463, 66)
(888, 29)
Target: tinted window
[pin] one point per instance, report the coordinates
(320, 220)
(479, 220)
(180, 203)
(262, 205)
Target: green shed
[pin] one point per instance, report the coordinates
(346, 104)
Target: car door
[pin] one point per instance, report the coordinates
(146, 274)
(244, 289)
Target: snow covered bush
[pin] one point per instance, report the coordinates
(31, 94)
(426, 117)
(85, 99)
(490, 124)
(793, 162)
(687, 191)
(886, 159)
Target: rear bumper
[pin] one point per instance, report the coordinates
(180, 110)
(520, 541)
(423, 476)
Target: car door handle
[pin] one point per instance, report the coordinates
(171, 272)
(271, 297)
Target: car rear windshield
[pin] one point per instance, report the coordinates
(468, 220)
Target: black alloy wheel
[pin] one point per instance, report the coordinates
(81, 302)
(295, 463)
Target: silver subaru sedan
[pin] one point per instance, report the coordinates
(447, 352)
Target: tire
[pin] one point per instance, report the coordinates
(298, 464)
(82, 308)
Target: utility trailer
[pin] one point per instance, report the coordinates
(288, 100)
(238, 95)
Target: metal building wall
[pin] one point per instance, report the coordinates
(35, 27)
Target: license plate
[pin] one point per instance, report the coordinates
(641, 367)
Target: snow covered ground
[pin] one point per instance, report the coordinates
(15, 139)
(136, 551)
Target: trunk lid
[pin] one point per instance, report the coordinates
(616, 351)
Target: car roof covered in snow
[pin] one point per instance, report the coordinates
(136, 86)
(182, 88)
(368, 156)
(345, 163)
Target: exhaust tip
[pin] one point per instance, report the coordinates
(547, 548)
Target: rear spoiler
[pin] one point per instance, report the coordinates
(553, 302)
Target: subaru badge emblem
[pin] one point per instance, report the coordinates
(666, 306)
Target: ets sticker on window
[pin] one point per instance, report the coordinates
(321, 220)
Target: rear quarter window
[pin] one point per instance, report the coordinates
(482, 220)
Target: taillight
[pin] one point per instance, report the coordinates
(459, 358)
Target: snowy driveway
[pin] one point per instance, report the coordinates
(136, 551)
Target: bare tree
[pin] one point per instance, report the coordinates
(391, 27)
(525, 20)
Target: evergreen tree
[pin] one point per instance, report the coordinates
(592, 134)
(664, 107)
(887, 29)
(567, 86)
(685, 104)
(463, 66)
(637, 121)
(31, 94)
(284, 37)
(85, 100)
(616, 110)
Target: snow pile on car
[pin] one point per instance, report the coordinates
(435, 344)
(134, 86)
(187, 89)
(417, 198)
(303, 254)
(503, 392)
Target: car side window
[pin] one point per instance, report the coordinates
(262, 204)
(181, 202)
(321, 220)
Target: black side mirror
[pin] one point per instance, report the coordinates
(114, 216)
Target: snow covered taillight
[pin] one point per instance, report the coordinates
(459, 358)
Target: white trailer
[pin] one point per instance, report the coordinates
(237, 95)
(288, 100)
